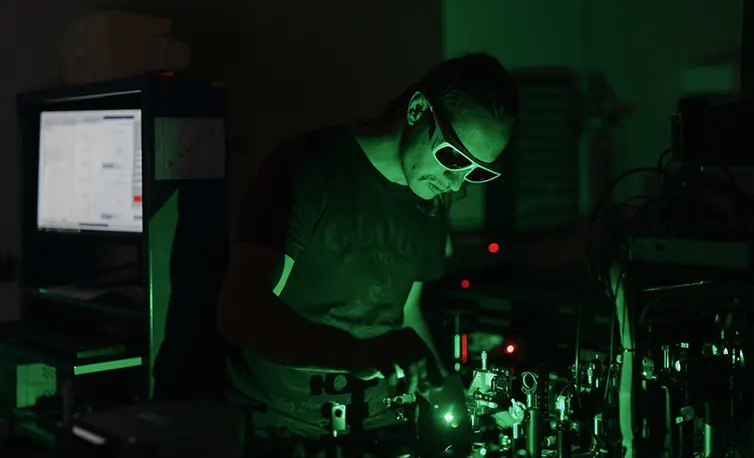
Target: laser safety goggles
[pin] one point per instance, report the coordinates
(452, 158)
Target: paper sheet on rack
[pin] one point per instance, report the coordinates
(189, 148)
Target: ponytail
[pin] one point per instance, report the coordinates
(397, 106)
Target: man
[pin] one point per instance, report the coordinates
(338, 233)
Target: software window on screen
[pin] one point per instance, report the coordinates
(90, 171)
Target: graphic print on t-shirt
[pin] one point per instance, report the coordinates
(359, 242)
(375, 250)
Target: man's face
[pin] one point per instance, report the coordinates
(482, 137)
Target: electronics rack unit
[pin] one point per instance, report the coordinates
(180, 252)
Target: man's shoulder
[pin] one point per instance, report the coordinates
(313, 149)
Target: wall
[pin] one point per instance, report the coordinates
(313, 63)
(662, 39)
(521, 35)
(290, 66)
(640, 46)
(30, 34)
(293, 65)
(26, 30)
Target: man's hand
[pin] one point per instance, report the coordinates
(398, 354)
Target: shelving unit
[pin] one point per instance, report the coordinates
(539, 192)
(81, 331)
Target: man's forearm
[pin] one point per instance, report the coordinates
(417, 322)
(276, 332)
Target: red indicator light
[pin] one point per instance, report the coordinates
(137, 199)
(510, 349)
(493, 248)
(465, 284)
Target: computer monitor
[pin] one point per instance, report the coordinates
(89, 174)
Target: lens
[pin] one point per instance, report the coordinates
(452, 159)
(480, 175)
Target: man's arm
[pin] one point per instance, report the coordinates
(251, 315)
(414, 318)
(277, 220)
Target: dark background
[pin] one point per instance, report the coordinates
(292, 65)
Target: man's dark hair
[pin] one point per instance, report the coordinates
(472, 84)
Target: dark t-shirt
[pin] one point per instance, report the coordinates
(358, 242)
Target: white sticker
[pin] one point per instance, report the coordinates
(189, 148)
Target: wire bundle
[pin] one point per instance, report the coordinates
(693, 202)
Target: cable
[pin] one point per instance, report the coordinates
(661, 160)
(611, 187)
(565, 387)
(577, 367)
(677, 188)
(593, 256)
(594, 262)
(611, 353)
(598, 270)
(691, 203)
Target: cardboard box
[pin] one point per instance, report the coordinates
(167, 53)
(109, 45)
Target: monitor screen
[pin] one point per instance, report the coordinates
(90, 171)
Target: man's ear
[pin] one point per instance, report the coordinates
(416, 108)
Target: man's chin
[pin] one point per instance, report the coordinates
(423, 193)
(423, 189)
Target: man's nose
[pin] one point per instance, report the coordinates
(456, 180)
